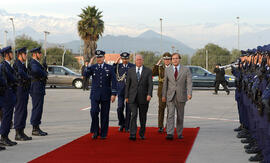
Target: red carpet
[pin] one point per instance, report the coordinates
(117, 148)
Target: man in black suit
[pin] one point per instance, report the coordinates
(220, 79)
(138, 93)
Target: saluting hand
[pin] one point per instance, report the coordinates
(159, 61)
(113, 98)
(118, 59)
(92, 60)
(163, 99)
(148, 98)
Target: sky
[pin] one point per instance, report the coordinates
(149, 11)
(182, 19)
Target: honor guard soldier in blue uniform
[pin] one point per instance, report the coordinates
(1, 94)
(22, 93)
(9, 96)
(3, 86)
(103, 91)
(38, 74)
(121, 75)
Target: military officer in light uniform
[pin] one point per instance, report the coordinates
(103, 91)
(121, 70)
(158, 70)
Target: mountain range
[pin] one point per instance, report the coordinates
(119, 37)
(147, 41)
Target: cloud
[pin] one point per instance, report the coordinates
(194, 35)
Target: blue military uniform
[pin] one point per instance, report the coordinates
(22, 94)
(103, 87)
(3, 86)
(38, 75)
(238, 79)
(256, 108)
(121, 74)
(9, 98)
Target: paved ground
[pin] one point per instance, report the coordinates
(66, 117)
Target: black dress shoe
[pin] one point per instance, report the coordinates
(257, 157)
(238, 129)
(215, 93)
(253, 150)
(160, 129)
(95, 136)
(245, 141)
(243, 134)
(169, 137)
(103, 137)
(5, 141)
(20, 136)
(27, 137)
(2, 148)
(180, 137)
(38, 132)
(250, 145)
(132, 138)
(142, 137)
(228, 92)
(121, 128)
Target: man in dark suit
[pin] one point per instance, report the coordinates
(85, 80)
(220, 79)
(138, 93)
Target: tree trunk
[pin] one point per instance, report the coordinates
(86, 50)
(93, 47)
(89, 49)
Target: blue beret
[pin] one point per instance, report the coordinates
(6, 50)
(259, 48)
(243, 52)
(124, 55)
(36, 50)
(99, 53)
(21, 50)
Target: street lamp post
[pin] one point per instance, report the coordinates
(13, 27)
(161, 36)
(173, 49)
(5, 38)
(238, 37)
(45, 42)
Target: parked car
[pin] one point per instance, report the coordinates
(63, 76)
(203, 78)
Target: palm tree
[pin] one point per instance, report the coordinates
(90, 29)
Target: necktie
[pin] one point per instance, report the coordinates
(99, 66)
(175, 73)
(138, 74)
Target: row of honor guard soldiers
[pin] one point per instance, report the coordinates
(252, 73)
(16, 83)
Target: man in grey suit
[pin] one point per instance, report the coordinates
(177, 89)
(138, 93)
